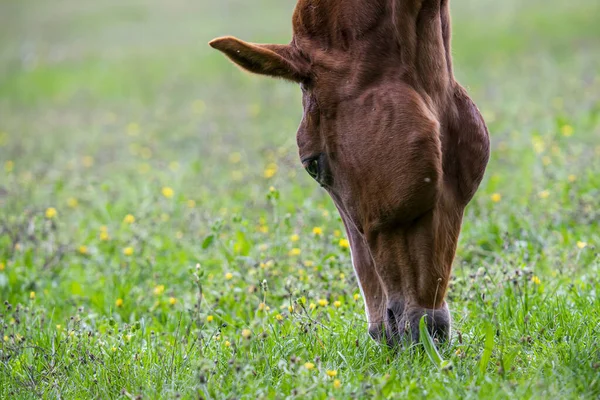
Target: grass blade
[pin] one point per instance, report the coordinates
(487, 350)
(428, 344)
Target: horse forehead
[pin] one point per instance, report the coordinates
(330, 19)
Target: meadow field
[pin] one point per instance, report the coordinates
(160, 239)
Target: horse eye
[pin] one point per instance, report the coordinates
(313, 168)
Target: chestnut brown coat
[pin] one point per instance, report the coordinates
(393, 138)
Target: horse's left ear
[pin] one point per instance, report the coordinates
(280, 61)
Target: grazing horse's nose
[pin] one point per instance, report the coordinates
(402, 323)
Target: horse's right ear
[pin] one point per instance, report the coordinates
(280, 61)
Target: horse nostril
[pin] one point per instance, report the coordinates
(392, 322)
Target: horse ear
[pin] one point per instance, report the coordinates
(275, 60)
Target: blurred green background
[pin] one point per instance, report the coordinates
(130, 151)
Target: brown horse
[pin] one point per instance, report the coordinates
(393, 138)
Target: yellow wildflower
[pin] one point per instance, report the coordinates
(104, 236)
(318, 231)
(337, 384)
(159, 289)
(309, 365)
(167, 192)
(133, 129)
(229, 276)
(119, 303)
(544, 194)
(535, 280)
(246, 333)
(582, 245)
(279, 317)
(227, 343)
(312, 306)
(87, 161)
(2, 266)
(261, 306)
(129, 219)
(32, 295)
(198, 107)
(572, 178)
(83, 249)
(496, 197)
(58, 327)
(567, 130)
(172, 301)
(332, 373)
(210, 318)
(356, 296)
(323, 302)
(538, 144)
(295, 252)
(294, 238)
(344, 243)
(72, 202)
(51, 213)
(546, 161)
(128, 251)
(337, 304)
(270, 172)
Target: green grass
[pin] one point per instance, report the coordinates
(103, 105)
